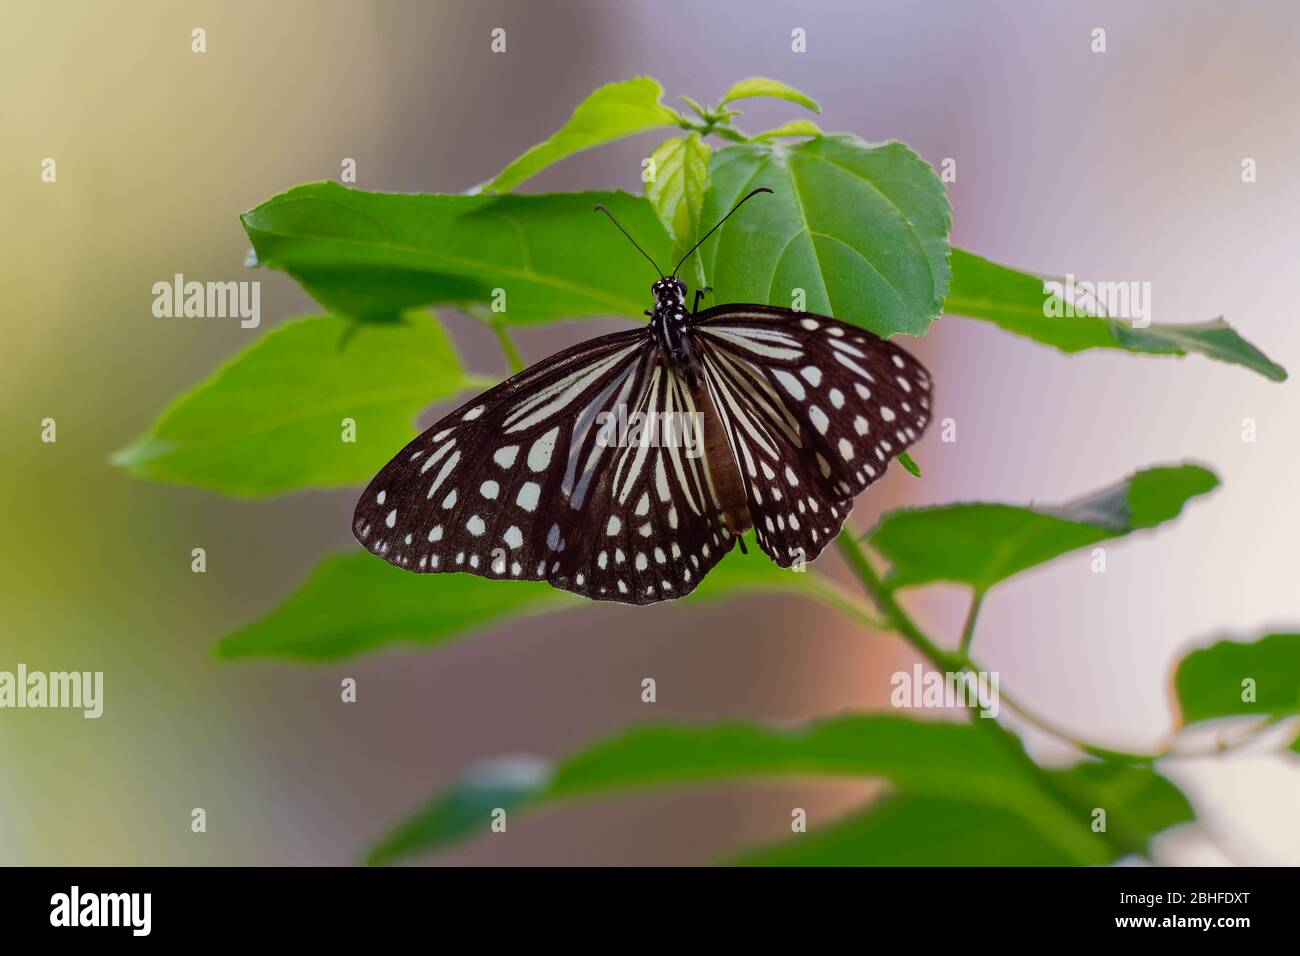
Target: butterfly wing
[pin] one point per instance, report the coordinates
(815, 409)
(521, 483)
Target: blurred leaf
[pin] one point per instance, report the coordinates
(916, 830)
(927, 758)
(354, 602)
(792, 128)
(677, 192)
(374, 254)
(502, 784)
(1208, 682)
(611, 112)
(1014, 301)
(981, 544)
(863, 230)
(774, 89)
(1137, 800)
(909, 829)
(270, 419)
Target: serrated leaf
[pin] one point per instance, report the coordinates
(372, 255)
(773, 89)
(353, 602)
(929, 758)
(611, 112)
(1209, 682)
(1014, 301)
(271, 418)
(677, 191)
(862, 230)
(981, 544)
(792, 128)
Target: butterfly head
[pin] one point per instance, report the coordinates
(669, 291)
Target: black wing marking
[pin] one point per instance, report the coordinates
(815, 409)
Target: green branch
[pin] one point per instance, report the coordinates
(903, 624)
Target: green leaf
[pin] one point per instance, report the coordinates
(863, 230)
(774, 89)
(677, 191)
(908, 829)
(372, 255)
(1209, 682)
(354, 602)
(611, 112)
(910, 465)
(792, 128)
(1014, 301)
(271, 418)
(929, 758)
(1138, 801)
(916, 830)
(981, 544)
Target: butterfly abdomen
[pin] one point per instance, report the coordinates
(723, 470)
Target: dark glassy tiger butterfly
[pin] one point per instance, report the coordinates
(626, 467)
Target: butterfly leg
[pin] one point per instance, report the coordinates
(699, 294)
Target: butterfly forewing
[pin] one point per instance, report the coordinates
(522, 482)
(815, 409)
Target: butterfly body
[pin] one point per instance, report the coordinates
(745, 416)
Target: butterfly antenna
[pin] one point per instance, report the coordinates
(760, 189)
(601, 208)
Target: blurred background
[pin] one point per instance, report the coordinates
(1119, 166)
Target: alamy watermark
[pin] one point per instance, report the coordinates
(74, 690)
(209, 300)
(130, 910)
(623, 429)
(946, 689)
(1075, 298)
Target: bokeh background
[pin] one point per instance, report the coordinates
(1117, 166)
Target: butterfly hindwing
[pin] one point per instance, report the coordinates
(815, 409)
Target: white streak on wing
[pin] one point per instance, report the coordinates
(853, 366)
(436, 456)
(575, 485)
(745, 419)
(749, 344)
(679, 468)
(769, 403)
(845, 347)
(761, 333)
(442, 475)
(560, 394)
(638, 459)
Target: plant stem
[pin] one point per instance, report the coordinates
(507, 345)
(1103, 753)
(895, 616)
(972, 615)
(908, 629)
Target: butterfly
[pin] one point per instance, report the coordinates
(626, 467)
